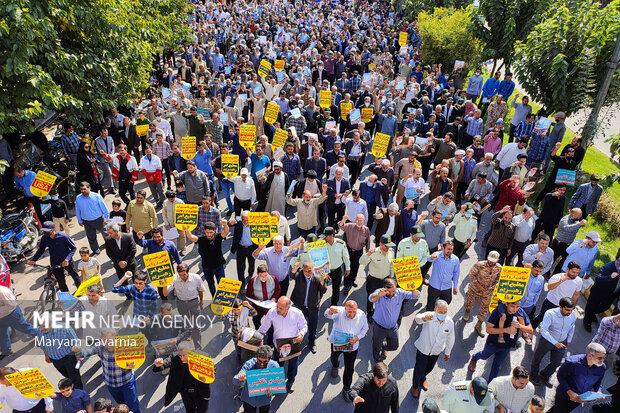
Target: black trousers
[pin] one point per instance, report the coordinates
(511, 134)
(336, 279)
(563, 405)
(195, 402)
(355, 169)
(423, 366)
(248, 408)
(372, 284)
(559, 250)
(241, 205)
(167, 172)
(372, 208)
(503, 253)
(39, 408)
(66, 367)
(335, 214)
(354, 257)
(123, 188)
(428, 264)
(517, 250)
(59, 274)
(434, 294)
(547, 305)
(243, 254)
(459, 248)
(549, 229)
(284, 286)
(349, 363)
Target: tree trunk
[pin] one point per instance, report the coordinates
(494, 64)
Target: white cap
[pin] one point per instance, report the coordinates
(244, 171)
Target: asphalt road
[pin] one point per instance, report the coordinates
(314, 389)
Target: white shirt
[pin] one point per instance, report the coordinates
(566, 289)
(435, 337)
(338, 183)
(186, 290)
(284, 327)
(150, 165)
(355, 208)
(11, 397)
(390, 228)
(516, 400)
(358, 325)
(523, 228)
(103, 312)
(508, 155)
(164, 125)
(244, 190)
(345, 169)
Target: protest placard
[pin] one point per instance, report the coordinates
(229, 165)
(380, 144)
(185, 216)
(264, 68)
(458, 64)
(367, 114)
(355, 116)
(247, 134)
(130, 351)
(271, 112)
(325, 98)
(262, 380)
(31, 383)
(341, 341)
(407, 271)
(566, 176)
(345, 109)
(287, 348)
(188, 147)
(201, 367)
(42, 184)
(141, 130)
(83, 288)
(279, 65)
(402, 38)
(279, 138)
(319, 258)
(225, 295)
(164, 347)
(260, 227)
(542, 126)
(512, 283)
(159, 268)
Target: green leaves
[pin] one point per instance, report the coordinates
(79, 57)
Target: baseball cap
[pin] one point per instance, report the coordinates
(244, 171)
(329, 231)
(430, 406)
(387, 240)
(493, 256)
(47, 227)
(311, 238)
(594, 236)
(481, 391)
(416, 231)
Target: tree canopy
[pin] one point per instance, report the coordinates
(562, 63)
(80, 57)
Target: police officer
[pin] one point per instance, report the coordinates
(430, 406)
(468, 397)
(379, 262)
(338, 255)
(414, 245)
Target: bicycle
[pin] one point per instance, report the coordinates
(47, 300)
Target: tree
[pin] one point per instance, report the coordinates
(80, 57)
(500, 23)
(446, 39)
(414, 7)
(562, 63)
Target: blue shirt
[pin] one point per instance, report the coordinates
(492, 339)
(278, 265)
(203, 161)
(585, 256)
(490, 87)
(169, 246)
(74, 403)
(506, 88)
(61, 248)
(445, 273)
(144, 302)
(25, 182)
(556, 328)
(387, 309)
(258, 164)
(575, 375)
(533, 290)
(256, 401)
(389, 125)
(408, 220)
(91, 207)
(58, 349)
(245, 240)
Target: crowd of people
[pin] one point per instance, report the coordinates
(446, 165)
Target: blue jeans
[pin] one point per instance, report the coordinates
(227, 187)
(16, 321)
(126, 394)
(210, 275)
(291, 369)
(500, 355)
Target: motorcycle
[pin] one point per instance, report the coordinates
(18, 235)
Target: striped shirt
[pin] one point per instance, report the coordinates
(144, 302)
(608, 335)
(57, 343)
(474, 126)
(113, 375)
(163, 150)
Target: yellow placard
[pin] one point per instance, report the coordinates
(159, 268)
(325, 98)
(273, 222)
(260, 227)
(188, 147)
(130, 351)
(185, 216)
(380, 144)
(141, 130)
(279, 138)
(512, 283)
(201, 367)
(230, 165)
(345, 108)
(264, 68)
(42, 184)
(367, 114)
(494, 300)
(31, 383)
(279, 65)
(83, 288)
(402, 38)
(247, 135)
(225, 295)
(271, 112)
(407, 271)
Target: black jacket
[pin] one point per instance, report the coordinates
(298, 296)
(179, 376)
(238, 232)
(376, 400)
(331, 191)
(127, 251)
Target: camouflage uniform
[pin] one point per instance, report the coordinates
(486, 276)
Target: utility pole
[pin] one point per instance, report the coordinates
(589, 129)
